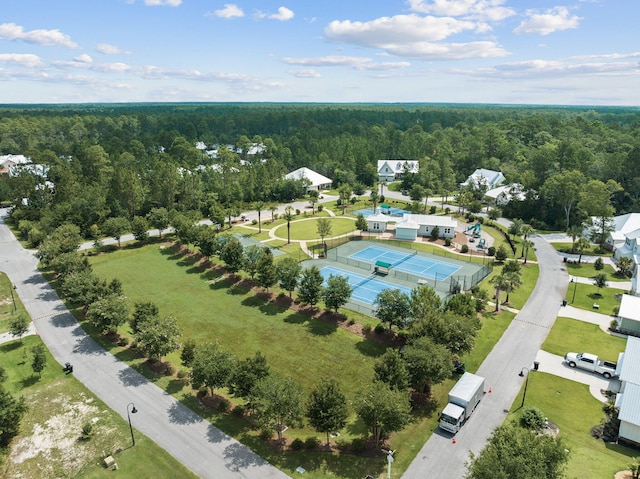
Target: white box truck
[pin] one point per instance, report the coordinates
(463, 399)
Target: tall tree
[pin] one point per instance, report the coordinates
(393, 307)
(514, 452)
(324, 228)
(277, 402)
(327, 408)
(337, 292)
(288, 271)
(564, 189)
(383, 410)
(501, 283)
(288, 217)
(19, 326)
(246, 373)
(310, 286)
(12, 410)
(232, 254)
(108, 313)
(116, 227)
(428, 363)
(252, 256)
(266, 270)
(211, 367)
(158, 336)
(159, 219)
(391, 369)
(259, 206)
(39, 359)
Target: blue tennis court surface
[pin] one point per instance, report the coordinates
(408, 262)
(365, 288)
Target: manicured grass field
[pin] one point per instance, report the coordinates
(10, 304)
(587, 294)
(59, 405)
(588, 270)
(209, 308)
(577, 336)
(517, 298)
(575, 411)
(307, 229)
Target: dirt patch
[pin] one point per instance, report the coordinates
(53, 447)
(623, 475)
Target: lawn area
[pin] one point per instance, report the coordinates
(49, 444)
(588, 270)
(307, 229)
(295, 345)
(575, 411)
(593, 250)
(10, 304)
(529, 274)
(578, 336)
(588, 294)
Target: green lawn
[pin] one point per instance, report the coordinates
(10, 304)
(307, 229)
(294, 345)
(578, 336)
(588, 270)
(588, 294)
(59, 405)
(529, 273)
(575, 411)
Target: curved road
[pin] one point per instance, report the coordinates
(201, 447)
(440, 458)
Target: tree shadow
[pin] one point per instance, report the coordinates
(321, 328)
(10, 346)
(370, 348)
(64, 320)
(180, 414)
(215, 435)
(30, 381)
(130, 377)
(175, 386)
(238, 457)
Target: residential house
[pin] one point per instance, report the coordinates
(411, 226)
(391, 170)
(315, 181)
(629, 315)
(488, 179)
(502, 195)
(9, 161)
(628, 399)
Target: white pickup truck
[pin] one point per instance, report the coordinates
(591, 362)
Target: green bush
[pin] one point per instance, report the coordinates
(311, 443)
(366, 329)
(297, 444)
(87, 430)
(224, 405)
(533, 419)
(464, 249)
(447, 241)
(491, 251)
(358, 445)
(380, 328)
(239, 410)
(598, 264)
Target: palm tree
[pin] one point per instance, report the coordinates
(581, 245)
(374, 198)
(514, 281)
(273, 208)
(525, 231)
(259, 206)
(288, 216)
(501, 282)
(575, 232)
(527, 245)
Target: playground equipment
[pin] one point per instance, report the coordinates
(481, 243)
(475, 230)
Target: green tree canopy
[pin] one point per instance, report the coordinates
(327, 408)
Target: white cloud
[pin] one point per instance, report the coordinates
(609, 56)
(449, 51)
(283, 14)
(394, 30)
(11, 31)
(307, 73)
(162, 3)
(108, 49)
(492, 10)
(552, 20)
(357, 63)
(230, 10)
(84, 58)
(536, 69)
(23, 59)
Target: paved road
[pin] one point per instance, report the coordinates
(193, 441)
(440, 458)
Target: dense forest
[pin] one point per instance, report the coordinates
(113, 160)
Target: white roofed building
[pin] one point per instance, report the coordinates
(484, 178)
(628, 399)
(391, 170)
(411, 226)
(314, 181)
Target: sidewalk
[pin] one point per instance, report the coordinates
(6, 337)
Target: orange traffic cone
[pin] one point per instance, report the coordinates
(489, 390)
(454, 440)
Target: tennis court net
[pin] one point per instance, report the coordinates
(402, 260)
(366, 280)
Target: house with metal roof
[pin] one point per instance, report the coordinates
(482, 177)
(313, 180)
(411, 226)
(628, 317)
(391, 170)
(628, 399)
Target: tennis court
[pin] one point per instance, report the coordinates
(410, 263)
(365, 288)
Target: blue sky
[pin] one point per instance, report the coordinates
(579, 52)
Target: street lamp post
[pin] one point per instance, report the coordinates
(133, 411)
(389, 461)
(526, 383)
(575, 284)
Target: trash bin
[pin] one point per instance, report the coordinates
(564, 302)
(536, 364)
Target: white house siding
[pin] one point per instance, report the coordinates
(407, 232)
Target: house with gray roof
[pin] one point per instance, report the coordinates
(482, 177)
(411, 226)
(391, 170)
(314, 181)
